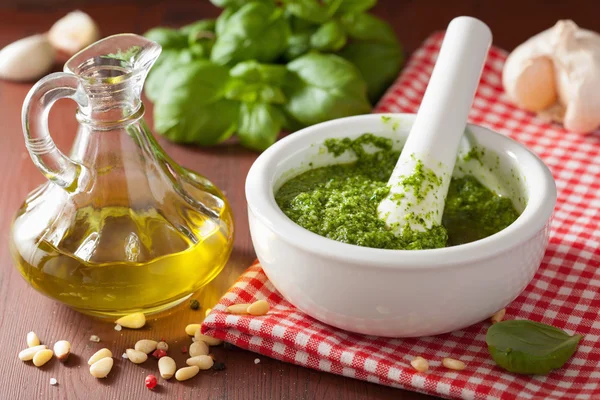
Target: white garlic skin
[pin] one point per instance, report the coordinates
(26, 59)
(557, 73)
(73, 32)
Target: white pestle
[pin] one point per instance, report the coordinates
(438, 127)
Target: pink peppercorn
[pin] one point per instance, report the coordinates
(150, 382)
(184, 349)
(159, 353)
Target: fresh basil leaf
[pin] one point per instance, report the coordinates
(168, 38)
(222, 20)
(298, 42)
(368, 27)
(243, 91)
(192, 107)
(375, 51)
(259, 125)
(350, 6)
(203, 25)
(528, 347)
(329, 37)
(309, 10)
(252, 71)
(378, 63)
(324, 87)
(254, 32)
(169, 59)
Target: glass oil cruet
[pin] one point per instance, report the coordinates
(119, 227)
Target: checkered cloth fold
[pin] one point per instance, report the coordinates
(565, 292)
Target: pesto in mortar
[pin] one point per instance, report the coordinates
(340, 202)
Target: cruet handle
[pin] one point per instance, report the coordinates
(55, 166)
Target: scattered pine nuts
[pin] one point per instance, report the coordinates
(162, 346)
(499, 316)
(132, 321)
(94, 338)
(240, 309)
(29, 353)
(451, 363)
(118, 328)
(124, 355)
(101, 368)
(42, 357)
(257, 361)
(146, 345)
(192, 328)
(198, 348)
(135, 356)
(209, 340)
(183, 374)
(99, 355)
(32, 339)
(166, 367)
(202, 362)
(62, 349)
(260, 307)
(53, 381)
(420, 364)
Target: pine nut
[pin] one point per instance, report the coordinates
(420, 364)
(260, 307)
(240, 309)
(499, 316)
(198, 348)
(192, 328)
(28, 353)
(451, 363)
(32, 339)
(132, 321)
(162, 346)
(100, 354)
(166, 367)
(62, 349)
(202, 362)
(183, 374)
(101, 368)
(42, 357)
(146, 346)
(135, 356)
(209, 340)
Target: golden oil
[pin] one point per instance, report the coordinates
(162, 266)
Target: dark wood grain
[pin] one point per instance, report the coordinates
(23, 309)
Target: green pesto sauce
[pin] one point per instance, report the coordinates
(340, 202)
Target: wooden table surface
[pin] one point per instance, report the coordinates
(23, 309)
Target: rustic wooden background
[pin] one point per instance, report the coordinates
(22, 309)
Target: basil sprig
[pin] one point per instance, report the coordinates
(528, 347)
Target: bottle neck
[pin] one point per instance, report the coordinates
(108, 105)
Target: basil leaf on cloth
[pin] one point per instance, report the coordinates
(528, 347)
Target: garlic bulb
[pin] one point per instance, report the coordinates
(26, 59)
(73, 32)
(557, 74)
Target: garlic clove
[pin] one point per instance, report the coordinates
(555, 73)
(26, 59)
(73, 32)
(535, 89)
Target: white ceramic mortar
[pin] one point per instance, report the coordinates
(400, 293)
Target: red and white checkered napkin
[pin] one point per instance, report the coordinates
(565, 292)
